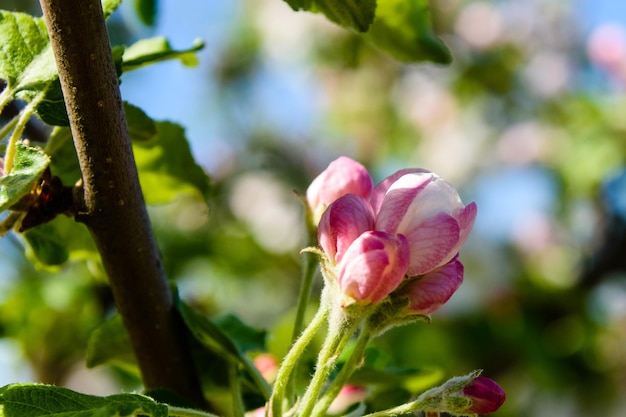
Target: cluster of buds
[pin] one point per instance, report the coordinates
(400, 238)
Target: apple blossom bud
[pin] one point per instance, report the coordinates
(344, 220)
(429, 212)
(373, 266)
(429, 292)
(485, 394)
(343, 176)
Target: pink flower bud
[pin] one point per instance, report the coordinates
(429, 292)
(486, 395)
(429, 212)
(344, 220)
(373, 266)
(343, 176)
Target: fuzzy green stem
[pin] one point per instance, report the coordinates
(275, 405)
(25, 114)
(308, 274)
(9, 126)
(429, 402)
(341, 329)
(187, 412)
(345, 373)
(5, 97)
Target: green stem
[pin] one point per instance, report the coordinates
(289, 362)
(235, 387)
(187, 412)
(308, 273)
(429, 402)
(25, 114)
(8, 127)
(345, 373)
(258, 379)
(340, 331)
(5, 97)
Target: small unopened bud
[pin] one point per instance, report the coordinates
(485, 394)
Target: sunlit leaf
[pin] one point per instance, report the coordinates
(352, 14)
(152, 50)
(23, 39)
(166, 166)
(403, 29)
(29, 165)
(35, 400)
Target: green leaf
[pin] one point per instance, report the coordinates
(146, 10)
(46, 246)
(55, 242)
(353, 14)
(22, 39)
(35, 400)
(216, 340)
(403, 29)
(152, 50)
(61, 149)
(245, 338)
(300, 4)
(165, 164)
(30, 163)
(109, 6)
(109, 344)
(140, 126)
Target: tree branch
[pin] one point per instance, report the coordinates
(113, 206)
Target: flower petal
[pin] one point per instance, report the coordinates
(379, 192)
(373, 266)
(344, 220)
(431, 291)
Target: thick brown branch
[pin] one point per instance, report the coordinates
(114, 209)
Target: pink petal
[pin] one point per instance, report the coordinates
(342, 176)
(431, 243)
(344, 220)
(432, 290)
(486, 395)
(373, 266)
(396, 203)
(466, 219)
(379, 192)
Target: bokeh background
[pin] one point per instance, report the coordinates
(529, 121)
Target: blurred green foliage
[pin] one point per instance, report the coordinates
(520, 94)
